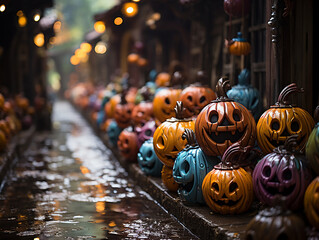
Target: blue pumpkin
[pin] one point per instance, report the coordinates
(148, 160)
(190, 169)
(113, 132)
(247, 95)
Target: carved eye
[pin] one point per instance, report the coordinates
(236, 116)
(232, 187)
(275, 125)
(160, 142)
(295, 126)
(190, 98)
(287, 174)
(266, 171)
(167, 101)
(214, 117)
(148, 132)
(185, 166)
(215, 186)
(149, 154)
(202, 99)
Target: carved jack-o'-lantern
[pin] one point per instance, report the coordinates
(312, 147)
(109, 107)
(148, 161)
(224, 122)
(275, 223)
(195, 98)
(164, 103)
(239, 46)
(145, 131)
(228, 188)
(311, 203)
(247, 95)
(283, 120)
(123, 112)
(168, 180)
(167, 138)
(190, 168)
(142, 112)
(127, 145)
(163, 79)
(113, 131)
(282, 173)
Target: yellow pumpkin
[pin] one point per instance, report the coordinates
(311, 203)
(168, 179)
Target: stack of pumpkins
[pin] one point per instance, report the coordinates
(15, 115)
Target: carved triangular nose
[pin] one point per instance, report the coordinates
(225, 122)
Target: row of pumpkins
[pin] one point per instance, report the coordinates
(16, 114)
(210, 150)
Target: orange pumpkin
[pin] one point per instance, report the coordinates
(109, 107)
(164, 102)
(123, 112)
(311, 203)
(228, 188)
(167, 138)
(224, 122)
(142, 62)
(133, 58)
(239, 46)
(195, 98)
(4, 126)
(127, 145)
(3, 141)
(1, 101)
(283, 120)
(168, 180)
(142, 112)
(163, 79)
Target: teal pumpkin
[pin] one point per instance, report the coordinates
(247, 95)
(190, 169)
(148, 160)
(113, 132)
(312, 147)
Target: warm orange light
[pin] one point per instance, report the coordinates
(86, 47)
(22, 21)
(118, 21)
(2, 8)
(99, 27)
(20, 13)
(36, 17)
(136, 0)
(100, 206)
(84, 170)
(39, 39)
(130, 9)
(74, 60)
(100, 48)
(52, 40)
(57, 26)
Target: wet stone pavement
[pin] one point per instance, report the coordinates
(68, 185)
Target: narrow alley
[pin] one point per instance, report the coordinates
(68, 185)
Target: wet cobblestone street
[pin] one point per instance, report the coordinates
(68, 185)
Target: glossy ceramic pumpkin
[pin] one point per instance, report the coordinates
(113, 131)
(247, 95)
(224, 122)
(312, 147)
(163, 79)
(109, 107)
(127, 145)
(228, 188)
(239, 46)
(190, 168)
(282, 173)
(311, 203)
(167, 138)
(283, 120)
(275, 223)
(164, 103)
(123, 113)
(195, 98)
(145, 131)
(168, 180)
(142, 112)
(148, 161)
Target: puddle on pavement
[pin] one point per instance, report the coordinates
(68, 186)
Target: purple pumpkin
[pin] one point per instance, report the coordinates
(284, 174)
(145, 132)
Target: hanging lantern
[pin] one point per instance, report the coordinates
(237, 8)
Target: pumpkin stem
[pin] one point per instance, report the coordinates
(291, 88)
(201, 77)
(222, 87)
(123, 97)
(243, 77)
(189, 135)
(179, 110)
(316, 114)
(237, 156)
(291, 143)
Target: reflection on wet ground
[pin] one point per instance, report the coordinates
(68, 186)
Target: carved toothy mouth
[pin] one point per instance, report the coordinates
(277, 190)
(188, 186)
(221, 137)
(226, 202)
(166, 112)
(279, 142)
